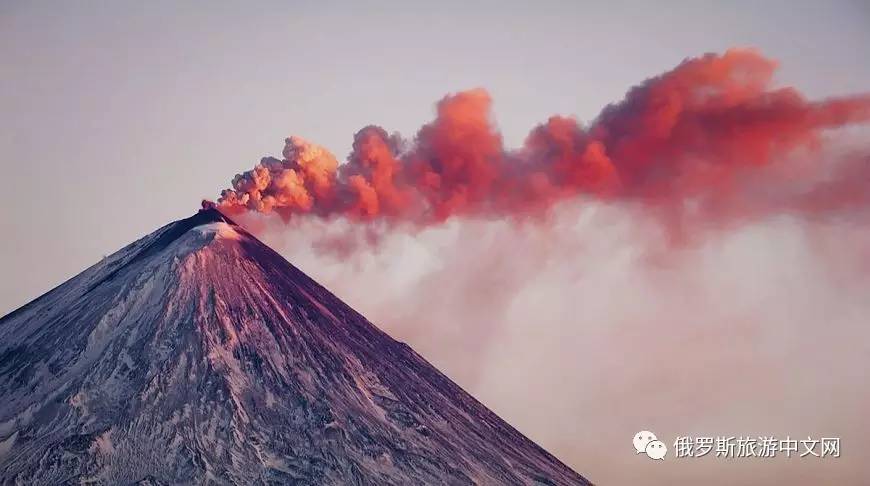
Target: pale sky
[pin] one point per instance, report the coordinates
(118, 117)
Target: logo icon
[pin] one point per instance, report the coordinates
(647, 442)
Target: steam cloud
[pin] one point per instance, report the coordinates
(708, 144)
(710, 141)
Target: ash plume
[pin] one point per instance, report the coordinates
(594, 307)
(710, 141)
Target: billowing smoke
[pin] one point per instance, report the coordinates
(585, 329)
(710, 141)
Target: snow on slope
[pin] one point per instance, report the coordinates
(198, 355)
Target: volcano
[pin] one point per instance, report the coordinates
(198, 355)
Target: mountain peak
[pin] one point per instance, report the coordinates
(182, 358)
(206, 215)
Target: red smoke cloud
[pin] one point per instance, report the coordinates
(710, 139)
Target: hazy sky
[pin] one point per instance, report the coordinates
(118, 117)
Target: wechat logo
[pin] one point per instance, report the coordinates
(646, 442)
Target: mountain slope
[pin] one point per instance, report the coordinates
(199, 355)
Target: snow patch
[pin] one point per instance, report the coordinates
(79, 402)
(7, 443)
(103, 443)
(220, 230)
